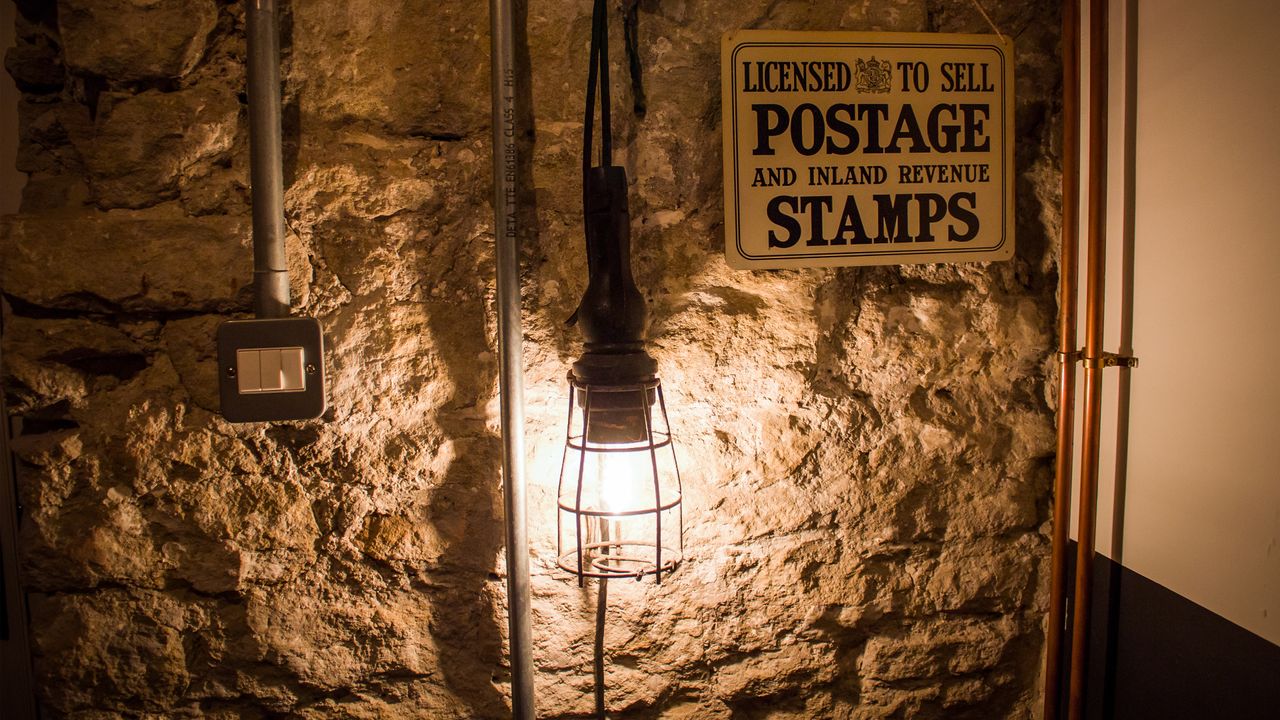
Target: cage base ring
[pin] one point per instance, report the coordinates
(599, 567)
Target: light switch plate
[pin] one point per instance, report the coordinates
(271, 370)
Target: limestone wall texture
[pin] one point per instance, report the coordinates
(867, 452)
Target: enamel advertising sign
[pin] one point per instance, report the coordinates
(848, 148)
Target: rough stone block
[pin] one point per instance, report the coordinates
(35, 62)
(415, 68)
(135, 39)
(127, 261)
(145, 147)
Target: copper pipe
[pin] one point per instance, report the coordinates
(1095, 268)
(1067, 283)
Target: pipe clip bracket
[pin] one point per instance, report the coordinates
(1069, 358)
(1110, 359)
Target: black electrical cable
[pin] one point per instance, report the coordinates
(598, 74)
(602, 608)
(631, 33)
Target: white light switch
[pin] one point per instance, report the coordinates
(270, 359)
(291, 377)
(270, 370)
(248, 371)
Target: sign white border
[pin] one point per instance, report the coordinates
(983, 248)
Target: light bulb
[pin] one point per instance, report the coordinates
(625, 480)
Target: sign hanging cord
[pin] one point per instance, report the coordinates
(987, 17)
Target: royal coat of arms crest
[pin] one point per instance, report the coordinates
(873, 75)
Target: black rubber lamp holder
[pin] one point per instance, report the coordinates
(612, 312)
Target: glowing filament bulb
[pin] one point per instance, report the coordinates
(625, 480)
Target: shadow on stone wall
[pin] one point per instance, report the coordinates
(467, 508)
(465, 614)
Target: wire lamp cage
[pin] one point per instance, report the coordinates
(620, 490)
(618, 501)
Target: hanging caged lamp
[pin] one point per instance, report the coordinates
(619, 512)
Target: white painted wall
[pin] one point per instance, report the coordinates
(1195, 506)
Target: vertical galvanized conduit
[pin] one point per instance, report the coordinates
(266, 173)
(1067, 284)
(1093, 354)
(510, 337)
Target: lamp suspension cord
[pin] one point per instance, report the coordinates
(598, 73)
(600, 64)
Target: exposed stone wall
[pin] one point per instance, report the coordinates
(867, 451)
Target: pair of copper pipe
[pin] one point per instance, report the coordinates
(1068, 354)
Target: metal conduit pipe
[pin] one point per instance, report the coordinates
(510, 337)
(266, 174)
(1093, 353)
(1067, 354)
